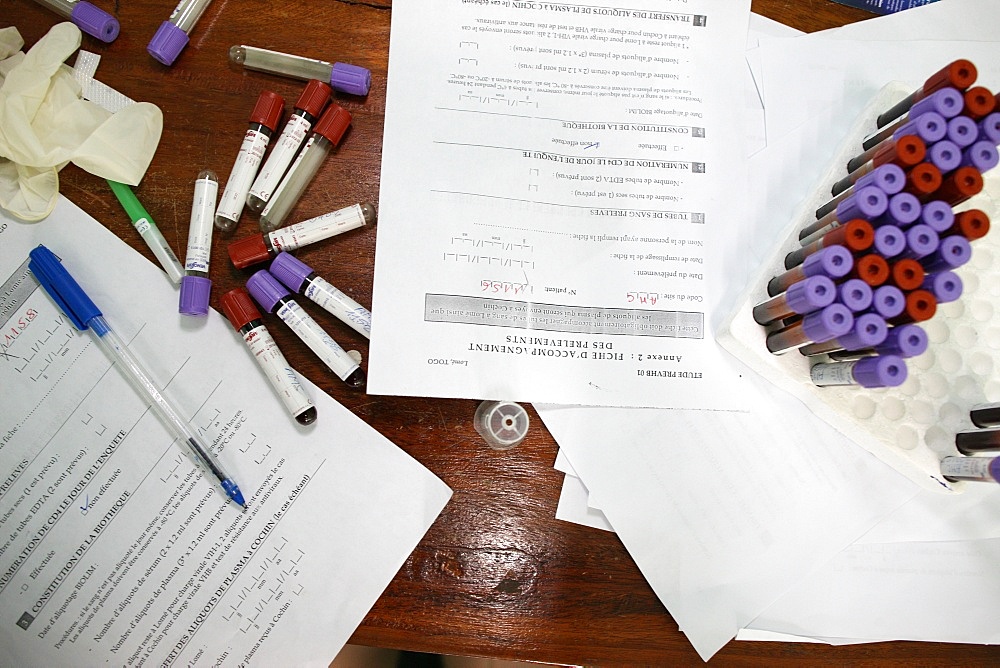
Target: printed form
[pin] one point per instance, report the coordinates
(556, 181)
(115, 546)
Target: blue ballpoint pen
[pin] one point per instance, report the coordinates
(79, 308)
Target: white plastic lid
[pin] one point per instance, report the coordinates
(502, 424)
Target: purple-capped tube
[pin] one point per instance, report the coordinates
(945, 155)
(921, 241)
(276, 299)
(904, 341)
(962, 131)
(888, 301)
(816, 327)
(299, 277)
(342, 77)
(880, 371)
(946, 286)
(808, 295)
(978, 441)
(868, 203)
(196, 286)
(172, 35)
(889, 178)
(982, 155)
(890, 241)
(855, 294)
(832, 261)
(977, 469)
(989, 128)
(929, 126)
(903, 209)
(90, 19)
(948, 102)
(868, 331)
(938, 215)
(952, 252)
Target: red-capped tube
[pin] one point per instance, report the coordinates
(958, 74)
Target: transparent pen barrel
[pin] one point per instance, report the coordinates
(273, 62)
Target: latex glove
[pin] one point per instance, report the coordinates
(45, 124)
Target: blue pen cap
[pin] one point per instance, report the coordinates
(62, 287)
(266, 290)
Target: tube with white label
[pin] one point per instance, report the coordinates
(982, 469)
(299, 277)
(196, 286)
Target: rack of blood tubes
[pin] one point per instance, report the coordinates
(877, 308)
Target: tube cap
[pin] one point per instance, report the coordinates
(880, 371)
(979, 101)
(945, 155)
(890, 241)
(502, 424)
(888, 301)
(888, 178)
(923, 179)
(868, 202)
(832, 261)
(982, 155)
(195, 291)
(810, 294)
(946, 286)
(959, 73)
(266, 290)
(95, 21)
(938, 215)
(858, 235)
(953, 252)
(267, 110)
(920, 305)
(855, 294)
(907, 274)
(350, 79)
(167, 43)
(873, 269)
(929, 126)
(239, 308)
(868, 331)
(314, 97)
(960, 185)
(905, 341)
(903, 209)
(333, 123)
(921, 240)
(249, 251)
(291, 271)
(962, 130)
(948, 102)
(972, 224)
(989, 128)
(833, 321)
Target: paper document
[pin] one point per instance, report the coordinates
(555, 181)
(114, 546)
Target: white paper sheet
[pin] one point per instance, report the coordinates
(115, 547)
(545, 230)
(574, 507)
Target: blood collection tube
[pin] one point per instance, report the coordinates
(904, 341)
(832, 261)
(903, 209)
(960, 185)
(868, 331)
(299, 277)
(309, 106)
(947, 102)
(977, 441)
(946, 286)
(808, 295)
(326, 134)
(196, 286)
(888, 301)
(952, 253)
(921, 241)
(989, 128)
(172, 35)
(890, 179)
(979, 102)
(341, 76)
(263, 120)
(90, 19)
(959, 74)
(867, 203)
(945, 155)
(972, 224)
(923, 179)
(246, 319)
(263, 247)
(906, 151)
(276, 299)
(148, 230)
(962, 131)
(878, 371)
(982, 155)
(873, 269)
(856, 236)
(938, 215)
(929, 127)
(979, 469)
(889, 241)
(986, 415)
(921, 305)
(855, 294)
(907, 274)
(827, 323)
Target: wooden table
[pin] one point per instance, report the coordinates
(497, 575)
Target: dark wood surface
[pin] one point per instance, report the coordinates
(497, 575)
